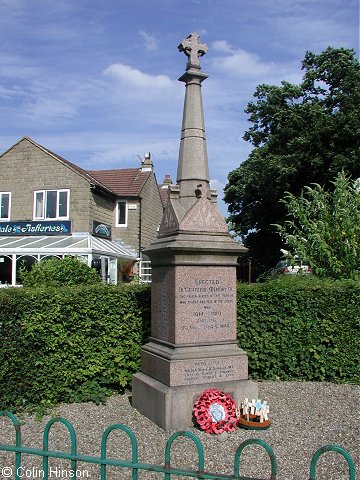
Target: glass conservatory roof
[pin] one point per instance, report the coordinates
(63, 244)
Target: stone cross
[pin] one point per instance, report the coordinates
(193, 49)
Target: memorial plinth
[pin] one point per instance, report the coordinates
(193, 344)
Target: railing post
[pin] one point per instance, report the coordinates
(332, 448)
(17, 425)
(134, 449)
(199, 446)
(254, 441)
(73, 444)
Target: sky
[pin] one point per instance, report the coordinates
(96, 81)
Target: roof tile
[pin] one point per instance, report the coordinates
(124, 182)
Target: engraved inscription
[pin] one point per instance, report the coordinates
(202, 372)
(161, 307)
(208, 304)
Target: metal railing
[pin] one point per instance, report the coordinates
(134, 465)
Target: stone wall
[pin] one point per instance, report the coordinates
(144, 217)
(102, 210)
(129, 234)
(26, 168)
(151, 211)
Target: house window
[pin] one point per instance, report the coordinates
(5, 201)
(52, 204)
(121, 213)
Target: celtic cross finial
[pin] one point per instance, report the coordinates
(193, 49)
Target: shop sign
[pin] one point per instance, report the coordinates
(35, 228)
(101, 230)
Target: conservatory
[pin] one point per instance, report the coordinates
(23, 251)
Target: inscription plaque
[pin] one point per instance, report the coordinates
(209, 371)
(205, 300)
(162, 308)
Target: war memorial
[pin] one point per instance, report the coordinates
(193, 344)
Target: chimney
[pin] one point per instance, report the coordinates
(146, 163)
(167, 181)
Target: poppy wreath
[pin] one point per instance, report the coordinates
(215, 412)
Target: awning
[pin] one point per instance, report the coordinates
(64, 245)
(99, 245)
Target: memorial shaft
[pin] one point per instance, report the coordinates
(193, 344)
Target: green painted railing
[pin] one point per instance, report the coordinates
(103, 461)
(332, 448)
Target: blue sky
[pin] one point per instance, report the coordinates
(96, 80)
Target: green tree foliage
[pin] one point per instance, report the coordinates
(301, 134)
(324, 227)
(56, 272)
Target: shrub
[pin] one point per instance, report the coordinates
(324, 227)
(301, 328)
(82, 343)
(71, 343)
(57, 272)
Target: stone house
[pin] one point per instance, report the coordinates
(52, 207)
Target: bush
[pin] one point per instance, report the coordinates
(76, 344)
(301, 328)
(58, 272)
(324, 227)
(70, 344)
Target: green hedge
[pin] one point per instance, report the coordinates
(301, 328)
(83, 343)
(71, 343)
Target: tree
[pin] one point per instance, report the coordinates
(302, 134)
(324, 227)
(56, 272)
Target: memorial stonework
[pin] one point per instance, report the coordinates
(193, 344)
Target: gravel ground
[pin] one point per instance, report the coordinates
(305, 416)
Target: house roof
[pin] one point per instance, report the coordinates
(72, 166)
(121, 182)
(125, 182)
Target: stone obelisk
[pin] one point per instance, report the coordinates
(193, 344)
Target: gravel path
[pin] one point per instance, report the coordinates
(305, 416)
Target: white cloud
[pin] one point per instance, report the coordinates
(221, 46)
(136, 78)
(49, 109)
(241, 63)
(150, 41)
(8, 93)
(13, 66)
(323, 32)
(126, 151)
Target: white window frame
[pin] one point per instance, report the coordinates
(6, 219)
(44, 197)
(117, 224)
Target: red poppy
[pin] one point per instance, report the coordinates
(215, 412)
